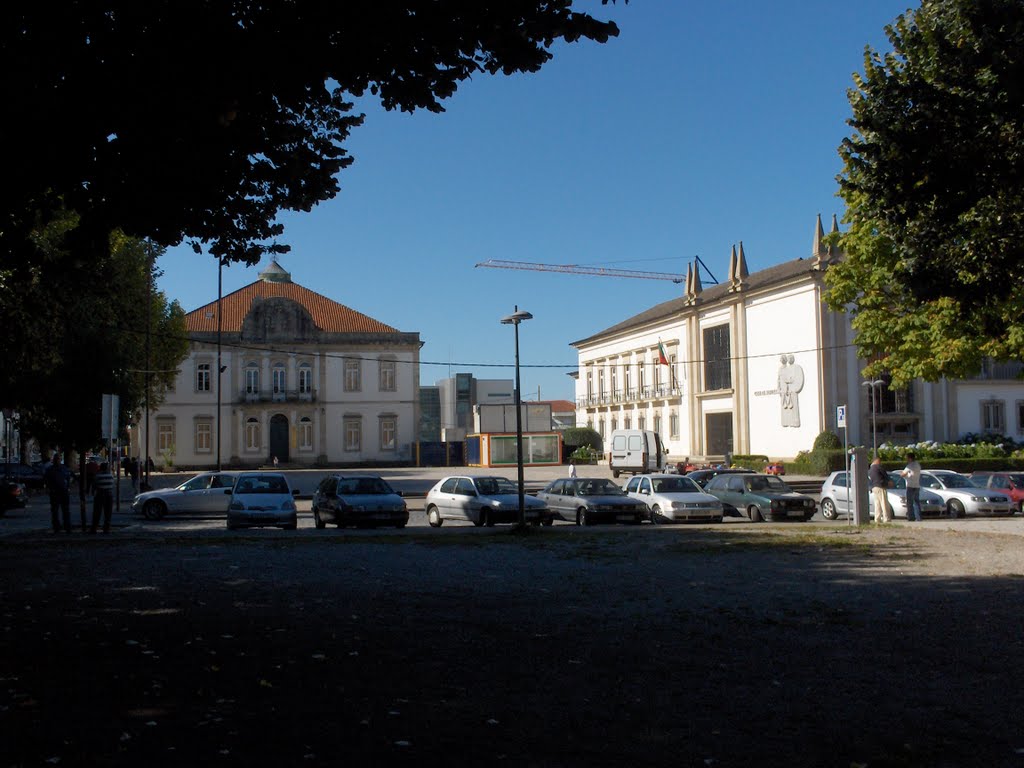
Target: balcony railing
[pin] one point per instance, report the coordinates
(993, 371)
(283, 396)
(634, 395)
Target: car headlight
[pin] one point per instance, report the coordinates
(808, 503)
(357, 508)
(288, 506)
(977, 498)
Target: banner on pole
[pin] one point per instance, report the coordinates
(111, 410)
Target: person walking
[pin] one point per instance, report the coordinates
(58, 486)
(912, 473)
(572, 469)
(879, 482)
(103, 497)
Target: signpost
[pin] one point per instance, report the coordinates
(841, 424)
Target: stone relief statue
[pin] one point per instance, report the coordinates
(790, 382)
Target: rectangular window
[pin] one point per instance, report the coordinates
(673, 425)
(203, 377)
(590, 383)
(204, 437)
(252, 435)
(657, 423)
(306, 434)
(993, 416)
(627, 383)
(353, 434)
(305, 380)
(614, 424)
(717, 358)
(387, 375)
(165, 436)
(615, 384)
(252, 380)
(627, 422)
(600, 382)
(641, 421)
(388, 434)
(353, 375)
(280, 380)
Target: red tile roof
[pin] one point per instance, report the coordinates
(328, 315)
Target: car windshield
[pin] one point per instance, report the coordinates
(365, 486)
(598, 488)
(897, 480)
(674, 485)
(953, 480)
(262, 484)
(495, 486)
(765, 483)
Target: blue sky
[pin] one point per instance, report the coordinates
(700, 126)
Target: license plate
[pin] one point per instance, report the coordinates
(382, 516)
(626, 517)
(796, 513)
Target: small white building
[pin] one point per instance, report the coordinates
(758, 364)
(303, 378)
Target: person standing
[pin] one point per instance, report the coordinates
(912, 473)
(58, 486)
(879, 482)
(103, 497)
(572, 469)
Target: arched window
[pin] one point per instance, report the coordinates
(306, 433)
(305, 379)
(252, 379)
(279, 380)
(252, 434)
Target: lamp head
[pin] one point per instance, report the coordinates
(516, 317)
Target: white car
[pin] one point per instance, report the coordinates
(206, 493)
(835, 498)
(674, 498)
(482, 501)
(260, 499)
(962, 498)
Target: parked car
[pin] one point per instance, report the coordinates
(673, 498)
(12, 495)
(29, 476)
(262, 499)
(835, 498)
(775, 468)
(208, 493)
(482, 501)
(962, 498)
(1011, 483)
(760, 497)
(360, 500)
(702, 476)
(586, 500)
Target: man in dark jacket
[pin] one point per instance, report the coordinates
(879, 482)
(57, 485)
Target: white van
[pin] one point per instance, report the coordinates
(636, 451)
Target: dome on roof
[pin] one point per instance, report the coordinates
(275, 273)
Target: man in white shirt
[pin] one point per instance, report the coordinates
(912, 472)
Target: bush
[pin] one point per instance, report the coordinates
(827, 441)
(817, 463)
(750, 460)
(584, 455)
(574, 437)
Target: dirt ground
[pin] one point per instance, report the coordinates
(798, 645)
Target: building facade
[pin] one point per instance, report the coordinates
(301, 378)
(758, 364)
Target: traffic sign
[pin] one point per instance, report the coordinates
(841, 416)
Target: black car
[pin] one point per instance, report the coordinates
(29, 476)
(359, 500)
(12, 495)
(585, 501)
(702, 476)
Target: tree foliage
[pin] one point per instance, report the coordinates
(202, 119)
(933, 182)
(83, 333)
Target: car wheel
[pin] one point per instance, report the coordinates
(581, 516)
(434, 517)
(655, 514)
(828, 509)
(754, 513)
(154, 510)
(718, 519)
(318, 521)
(481, 518)
(615, 473)
(956, 509)
(550, 520)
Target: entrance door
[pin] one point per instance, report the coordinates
(279, 437)
(719, 434)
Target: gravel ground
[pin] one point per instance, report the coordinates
(789, 645)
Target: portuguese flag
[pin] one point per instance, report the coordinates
(662, 357)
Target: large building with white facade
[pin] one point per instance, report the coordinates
(759, 365)
(303, 378)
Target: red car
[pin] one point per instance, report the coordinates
(775, 468)
(1010, 483)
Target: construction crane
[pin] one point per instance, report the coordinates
(575, 269)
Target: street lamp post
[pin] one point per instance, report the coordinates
(874, 387)
(514, 320)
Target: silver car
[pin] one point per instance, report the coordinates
(262, 499)
(674, 498)
(962, 498)
(482, 501)
(835, 498)
(206, 493)
(585, 501)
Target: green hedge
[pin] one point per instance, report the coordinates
(822, 463)
(818, 463)
(750, 460)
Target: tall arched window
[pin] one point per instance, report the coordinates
(252, 434)
(305, 379)
(279, 381)
(252, 379)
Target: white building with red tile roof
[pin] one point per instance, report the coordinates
(303, 378)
